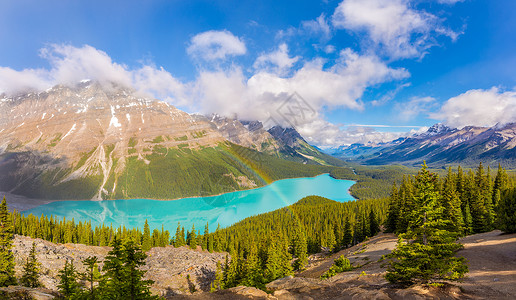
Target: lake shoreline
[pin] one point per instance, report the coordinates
(225, 209)
(22, 203)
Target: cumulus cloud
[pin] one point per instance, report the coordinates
(266, 95)
(69, 65)
(258, 97)
(400, 30)
(479, 108)
(326, 134)
(278, 61)
(215, 45)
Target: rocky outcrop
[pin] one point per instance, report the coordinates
(174, 270)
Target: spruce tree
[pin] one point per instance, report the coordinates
(218, 282)
(204, 244)
(374, 227)
(192, 238)
(113, 280)
(6, 243)
(30, 277)
(146, 239)
(68, 285)
(348, 235)
(300, 248)
(507, 211)
(393, 211)
(135, 287)
(252, 269)
(92, 274)
(426, 251)
(451, 203)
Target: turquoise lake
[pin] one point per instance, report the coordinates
(224, 209)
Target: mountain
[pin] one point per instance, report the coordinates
(442, 145)
(93, 141)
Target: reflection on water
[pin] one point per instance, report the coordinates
(224, 209)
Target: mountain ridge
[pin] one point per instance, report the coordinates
(67, 142)
(441, 145)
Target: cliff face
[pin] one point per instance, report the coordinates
(88, 133)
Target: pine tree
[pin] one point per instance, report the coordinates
(218, 283)
(192, 238)
(374, 227)
(252, 270)
(231, 268)
(92, 274)
(406, 205)
(30, 277)
(507, 211)
(300, 248)
(6, 243)
(204, 244)
(393, 211)
(68, 285)
(478, 209)
(500, 185)
(348, 236)
(146, 240)
(451, 203)
(113, 280)
(429, 255)
(134, 285)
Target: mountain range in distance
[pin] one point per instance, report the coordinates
(93, 141)
(440, 146)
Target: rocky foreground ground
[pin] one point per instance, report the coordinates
(491, 257)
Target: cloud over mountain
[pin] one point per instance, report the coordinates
(479, 108)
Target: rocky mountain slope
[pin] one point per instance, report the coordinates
(491, 258)
(169, 267)
(91, 141)
(442, 145)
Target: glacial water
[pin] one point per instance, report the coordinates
(224, 209)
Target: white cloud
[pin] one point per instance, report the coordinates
(258, 97)
(394, 25)
(449, 1)
(409, 110)
(69, 65)
(326, 134)
(278, 61)
(318, 27)
(322, 84)
(479, 108)
(215, 45)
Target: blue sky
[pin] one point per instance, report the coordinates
(397, 63)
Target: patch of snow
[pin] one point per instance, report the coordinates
(20, 125)
(128, 117)
(70, 131)
(114, 120)
(44, 114)
(143, 121)
(83, 110)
